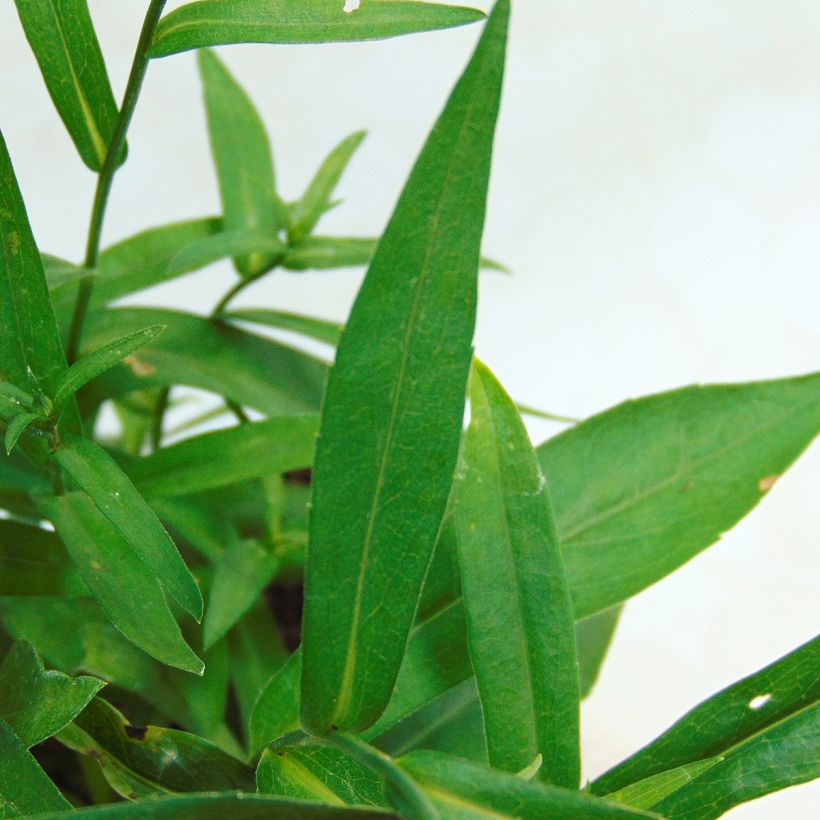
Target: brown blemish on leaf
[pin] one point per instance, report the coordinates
(767, 482)
(135, 732)
(13, 239)
(690, 485)
(95, 564)
(138, 367)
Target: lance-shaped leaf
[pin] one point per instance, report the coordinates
(93, 470)
(128, 592)
(64, 42)
(24, 787)
(268, 447)
(221, 22)
(243, 572)
(102, 359)
(152, 760)
(461, 789)
(741, 711)
(250, 243)
(382, 477)
(30, 353)
(248, 369)
(218, 805)
(33, 562)
(316, 200)
(36, 703)
(647, 485)
(303, 768)
(593, 636)
(783, 755)
(17, 426)
(242, 154)
(319, 329)
(520, 628)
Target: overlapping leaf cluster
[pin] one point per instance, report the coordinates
(460, 587)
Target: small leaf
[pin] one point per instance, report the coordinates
(316, 200)
(152, 760)
(244, 242)
(327, 252)
(739, 712)
(520, 628)
(243, 572)
(251, 450)
(220, 22)
(24, 787)
(19, 398)
(64, 42)
(309, 770)
(17, 426)
(649, 484)
(461, 789)
(36, 703)
(382, 478)
(113, 494)
(126, 589)
(248, 369)
(242, 154)
(319, 329)
(102, 359)
(593, 636)
(646, 793)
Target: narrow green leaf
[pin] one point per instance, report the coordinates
(63, 40)
(461, 789)
(126, 589)
(221, 22)
(24, 787)
(30, 352)
(20, 399)
(647, 485)
(646, 793)
(93, 470)
(242, 154)
(153, 759)
(593, 636)
(245, 569)
(309, 770)
(737, 713)
(102, 359)
(36, 703)
(60, 273)
(404, 356)
(17, 426)
(248, 369)
(319, 329)
(784, 755)
(316, 200)
(520, 628)
(34, 562)
(250, 243)
(251, 450)
(217, 806)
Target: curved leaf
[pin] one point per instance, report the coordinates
(220, 22)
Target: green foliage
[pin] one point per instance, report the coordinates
(461, 588)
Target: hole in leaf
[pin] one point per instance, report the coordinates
(351, 5)
(760, 701)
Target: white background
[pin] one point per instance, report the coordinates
(656, 192)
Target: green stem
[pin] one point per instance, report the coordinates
(159, 417)
(106, 177)
(236, 289)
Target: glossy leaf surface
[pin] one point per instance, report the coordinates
(24, 787)
(250, 450)
(242, 154)
(647, 485)
(63, 40)
(520, 627)
(381, 479)
(36, 703)
(128, 592)
(220, 22)
(113, 494)
(461, 790)
(151, 758)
